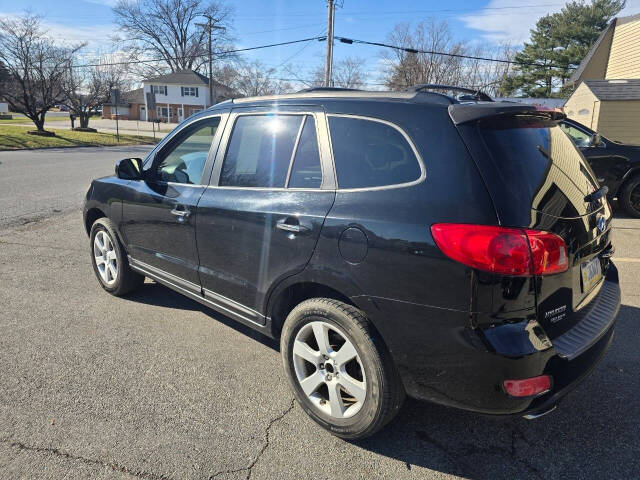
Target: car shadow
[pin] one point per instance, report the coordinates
(592, 434)
(152, 293)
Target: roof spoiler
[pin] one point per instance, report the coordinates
(465, 113)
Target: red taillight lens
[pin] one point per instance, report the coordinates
(549, 252)
(506, 251)
(528, 387)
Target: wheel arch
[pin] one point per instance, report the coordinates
(91, 216)
(287, 297)
(632, 172)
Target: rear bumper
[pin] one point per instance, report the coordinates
(568, 374)
(442, 359)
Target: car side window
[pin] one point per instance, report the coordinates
(306, 171)
(369, 153)
(260, 150)
(580, 138)
(183, 159)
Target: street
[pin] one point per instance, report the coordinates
(156, 386)
(36, 184)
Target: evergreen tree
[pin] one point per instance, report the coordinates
(558, 44)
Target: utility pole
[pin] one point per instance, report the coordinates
(327, 70)
(210, 27)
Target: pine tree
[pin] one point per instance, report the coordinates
(558, 44)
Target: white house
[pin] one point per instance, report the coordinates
(177, 95)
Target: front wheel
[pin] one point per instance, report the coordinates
(340, 371)
(630, 196)
(109, 260)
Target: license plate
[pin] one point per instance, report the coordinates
(591, 274)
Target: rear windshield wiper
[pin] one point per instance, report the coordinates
(596, 195)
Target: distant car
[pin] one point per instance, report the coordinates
(394, 242)
(616, 165)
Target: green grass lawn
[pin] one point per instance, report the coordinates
(17, 138)
(24, 120)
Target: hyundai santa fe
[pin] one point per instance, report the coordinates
(448, 248)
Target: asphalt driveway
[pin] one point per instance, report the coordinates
(155, 386)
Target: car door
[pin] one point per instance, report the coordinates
(159, 211)
(259, 220)
(606, 159)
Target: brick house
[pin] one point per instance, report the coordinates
(178, 95)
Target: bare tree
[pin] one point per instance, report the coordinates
(346, 73)
(411, 68)
(427, 64)
(166, 30)
(254, 78)
(86, 88)
(35, 66)
(487, 75)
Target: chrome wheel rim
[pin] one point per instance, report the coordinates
(104, 254)
(329, 370)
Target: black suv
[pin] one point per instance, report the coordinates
(616, 165)
(451, 249)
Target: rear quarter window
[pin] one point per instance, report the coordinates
(369, 153)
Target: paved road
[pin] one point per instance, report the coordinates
(36, 183)
(155, 386)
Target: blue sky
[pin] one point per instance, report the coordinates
(482, 22)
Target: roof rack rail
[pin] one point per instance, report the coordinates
(472, 94)
(328, 89)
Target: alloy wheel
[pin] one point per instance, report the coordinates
(329, 370)
(104, 255)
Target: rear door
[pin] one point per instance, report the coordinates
(538, 179)
(259, 220)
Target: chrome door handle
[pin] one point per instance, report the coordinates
(291, 227)
(181, 214)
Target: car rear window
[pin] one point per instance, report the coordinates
(370, 153)
(527, 148)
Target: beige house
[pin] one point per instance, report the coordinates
(610, 107)
(607, 97)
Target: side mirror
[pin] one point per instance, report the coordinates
(596, 140)
(129, 169)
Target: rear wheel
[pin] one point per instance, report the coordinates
(109, 260)
(340, 372)
(630, 196)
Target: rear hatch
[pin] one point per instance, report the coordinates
(539, 180)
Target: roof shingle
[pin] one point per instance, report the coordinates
(615, 89)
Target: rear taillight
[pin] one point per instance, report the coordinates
(528, 387)
(506, 251)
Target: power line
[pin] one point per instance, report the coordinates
(217, 54)
(446, 54)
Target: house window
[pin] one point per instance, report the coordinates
(159, 89)
(163, 112)
(195, 110)
(189, 91)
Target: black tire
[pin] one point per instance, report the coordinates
(630, 196)
(384, 390)
(126, 279)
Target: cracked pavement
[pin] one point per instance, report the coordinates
(155, 386)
